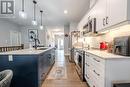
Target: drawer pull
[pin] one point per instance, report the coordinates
(107, 20)
(96, 73)
(103, 21)
(96, 60)
(87, 64)
(43, 74)
(87, 76)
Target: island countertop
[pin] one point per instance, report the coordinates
(27, 51)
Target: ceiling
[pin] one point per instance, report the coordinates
(53, 11)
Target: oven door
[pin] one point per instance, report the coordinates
(79, 60)
(79, 65)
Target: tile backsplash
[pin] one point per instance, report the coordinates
(108, 37)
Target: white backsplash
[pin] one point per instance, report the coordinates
(108, 37)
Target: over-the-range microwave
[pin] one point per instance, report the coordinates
(90, 27)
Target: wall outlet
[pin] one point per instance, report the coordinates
(10, 57)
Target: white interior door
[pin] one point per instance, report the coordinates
(15, 38)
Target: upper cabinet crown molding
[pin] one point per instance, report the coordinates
(108, 13)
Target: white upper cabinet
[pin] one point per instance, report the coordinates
(100, 10)
(117, 12)
(109, 13)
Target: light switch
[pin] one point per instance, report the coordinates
(10, 58)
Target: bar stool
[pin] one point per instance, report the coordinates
(5, 78)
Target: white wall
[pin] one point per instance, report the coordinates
(25, 39)
(73, 26)
(5, 28)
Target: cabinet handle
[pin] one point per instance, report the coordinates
(103, 21)
(96, 73)
(96, 60)
(87, 64)
(43, 74)
(107, 20)
(49, 56)
(87, 76)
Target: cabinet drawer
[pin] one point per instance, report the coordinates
(97, 61)
(88, 78)
(97, 83)
(97, 80)
(88, 59)
(98, 72)
(98, 77)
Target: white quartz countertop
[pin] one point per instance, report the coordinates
(106, 55)
(26, 52)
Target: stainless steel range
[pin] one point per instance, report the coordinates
(79, 61)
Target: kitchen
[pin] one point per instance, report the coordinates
(66, 43)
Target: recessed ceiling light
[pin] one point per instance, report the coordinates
(65, 12)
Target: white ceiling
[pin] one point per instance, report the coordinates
(53, 11)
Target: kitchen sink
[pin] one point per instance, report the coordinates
(42, 48)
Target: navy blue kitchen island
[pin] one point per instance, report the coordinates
(29, 67)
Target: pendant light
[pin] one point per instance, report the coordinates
(34, 22)
(22, 13)
(41, 26)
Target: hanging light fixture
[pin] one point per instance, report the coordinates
(22, 13)
(34, 22)
(41, 26)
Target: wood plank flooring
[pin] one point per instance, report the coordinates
(66, 77)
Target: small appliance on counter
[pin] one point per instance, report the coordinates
(103, 45)
(122, 46)
(122, 85)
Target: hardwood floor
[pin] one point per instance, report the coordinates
(63, 74)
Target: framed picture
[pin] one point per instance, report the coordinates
(32, 34)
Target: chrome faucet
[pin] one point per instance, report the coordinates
(36, 40)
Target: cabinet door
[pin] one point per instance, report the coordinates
(100, 12)
(117, 11)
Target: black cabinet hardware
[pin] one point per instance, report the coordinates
(96, 73)
(96, 60)
(103, 21)
(107, 20)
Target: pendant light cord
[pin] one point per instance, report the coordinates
(23, 5)
(34, 9)
(34, 12)
(41, 16)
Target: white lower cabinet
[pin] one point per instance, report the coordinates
(94, 71)
(101, 72)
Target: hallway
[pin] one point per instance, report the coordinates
(63, 74)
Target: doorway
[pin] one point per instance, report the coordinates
(59, 42)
